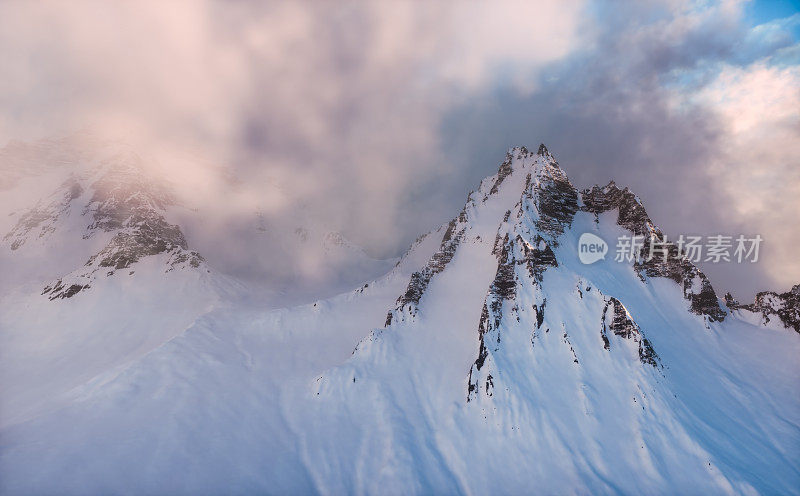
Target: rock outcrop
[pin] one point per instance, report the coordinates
(784, 307)
(117, 199)
(672, 265)
(617, 320)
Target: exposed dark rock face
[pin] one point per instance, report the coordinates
(515, 252)
(558, 203)
(123, 196)
(420, 280)
(58, 290)
(506, 169)
(632, 216)
(147, 237)
(551, 202)
(126, 248)
(537, 257)
(617, 320)
(502, 289)
(784, 306)
(703, 298)
(695, 285)
(123, 202)
(505, 284)
(503, 172)
(730, 301)
(556, 200)
(549, 199)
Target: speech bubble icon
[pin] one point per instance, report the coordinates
(591, 248)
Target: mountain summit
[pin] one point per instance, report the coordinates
(504, 365)
(512, 350)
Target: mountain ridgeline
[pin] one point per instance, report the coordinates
(505, 365)
(524, 249)
(548, 353)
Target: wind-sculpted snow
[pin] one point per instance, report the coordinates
(507, 367)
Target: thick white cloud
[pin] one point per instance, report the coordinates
(339, 102)
(757, 170)
(345, 104)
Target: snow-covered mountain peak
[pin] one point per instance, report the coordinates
(505, 340)
(525, 210)
(525, 182)
(526, 228)
(505, 364)
(108, 208)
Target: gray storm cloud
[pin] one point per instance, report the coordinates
(378, 118)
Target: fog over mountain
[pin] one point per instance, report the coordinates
(267, 247)
(490, 357)
(375, 117)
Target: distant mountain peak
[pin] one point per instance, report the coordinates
(113, 199)
(769, 305)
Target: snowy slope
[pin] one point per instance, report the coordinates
(85, 247)
(81, 204)
(238, 371)
(97, 271)
(543, 382)
(504, 366)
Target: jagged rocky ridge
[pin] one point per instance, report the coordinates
(116, 200)
(523, 247)
(420, 280)
(594, 379)
(768, 305)
(632, 216)
(549, 203)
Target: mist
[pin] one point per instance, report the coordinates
(376, 120)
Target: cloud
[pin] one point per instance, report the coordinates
(327, 113)
(377, 118)
(757, 169)
(657, 102)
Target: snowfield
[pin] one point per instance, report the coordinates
(505, 366)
